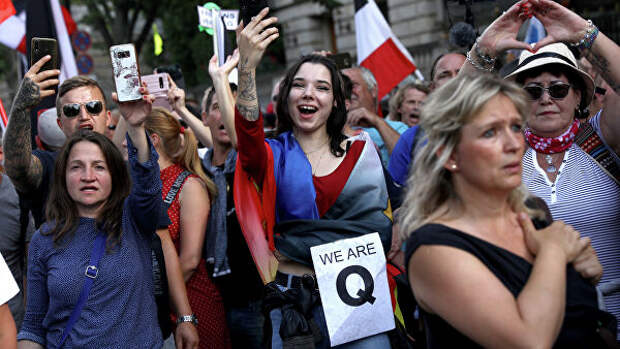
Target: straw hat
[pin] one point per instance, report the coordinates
(557, 53)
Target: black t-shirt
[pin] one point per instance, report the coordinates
(243, 284)
(579, 329)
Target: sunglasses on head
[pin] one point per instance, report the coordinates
(72, 110)
(556, 91)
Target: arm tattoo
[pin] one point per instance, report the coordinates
(247, 102)
(602, 65)
(21, 166)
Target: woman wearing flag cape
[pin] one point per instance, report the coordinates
(316, 185)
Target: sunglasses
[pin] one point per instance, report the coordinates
(600, 91)
(556, 91)
(73, 109)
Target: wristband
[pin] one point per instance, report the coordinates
(187, 318)
(588, 38)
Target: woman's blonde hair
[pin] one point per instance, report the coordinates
(179, 144)
(430, 191)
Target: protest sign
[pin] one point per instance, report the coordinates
(231, 19)
(354, 290)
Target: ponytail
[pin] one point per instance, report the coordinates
(179, 144)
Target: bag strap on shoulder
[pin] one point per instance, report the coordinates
(91, 274)
(588, 140)
(174, 190)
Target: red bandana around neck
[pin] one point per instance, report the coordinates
(552, 145)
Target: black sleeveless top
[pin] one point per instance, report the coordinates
(579, 329)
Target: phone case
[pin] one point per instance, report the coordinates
(126, 72)
(158, 85)
(250, 8)
(39, 48)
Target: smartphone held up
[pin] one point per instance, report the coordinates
(126, 72)
(41, 47)
(158, 86)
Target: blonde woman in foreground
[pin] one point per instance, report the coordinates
(480, 271)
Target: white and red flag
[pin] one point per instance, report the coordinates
(12, 26)
(379, 50)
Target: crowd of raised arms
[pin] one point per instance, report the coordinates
(494, 190)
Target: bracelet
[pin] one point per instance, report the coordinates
(187, 318)
(478, 65)
(588, 38)
(490, 61)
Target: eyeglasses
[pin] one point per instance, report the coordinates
(556, 91)
(73, 109)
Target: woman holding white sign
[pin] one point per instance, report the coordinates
(329, 186)
(481, 272)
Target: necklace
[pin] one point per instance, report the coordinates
(318, 164)
(550, 166)
(317, 148)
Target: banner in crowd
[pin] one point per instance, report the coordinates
(354, 289)
(379, 50)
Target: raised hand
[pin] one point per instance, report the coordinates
(176, 96)
(561, 24)
(253, 39)
(221, 72)
(362, 117)
(135, 112)
(501, 35)
(37, 85)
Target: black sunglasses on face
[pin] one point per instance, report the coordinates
(73, 109)
(600, 91)
(556, 91)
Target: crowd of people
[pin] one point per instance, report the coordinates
(496, 197)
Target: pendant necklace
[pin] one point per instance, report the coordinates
(550, 166)
(320, 157)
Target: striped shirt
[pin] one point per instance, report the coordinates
(589, 200)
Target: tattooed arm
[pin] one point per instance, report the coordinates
(25, 169)
(252, 41)
(601, 56)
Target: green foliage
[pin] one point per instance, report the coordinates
(184, 44)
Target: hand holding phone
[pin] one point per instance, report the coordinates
(251, 8)
(126, 72)
(254, 38)
(46, 80)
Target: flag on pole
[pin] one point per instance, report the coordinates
(379, 50)
(13, 24)
(45, 19)
(4, 119)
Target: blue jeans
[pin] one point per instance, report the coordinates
(246, 325)
(378, 341)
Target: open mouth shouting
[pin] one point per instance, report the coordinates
(307, 111)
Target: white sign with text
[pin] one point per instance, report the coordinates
(354, 290)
